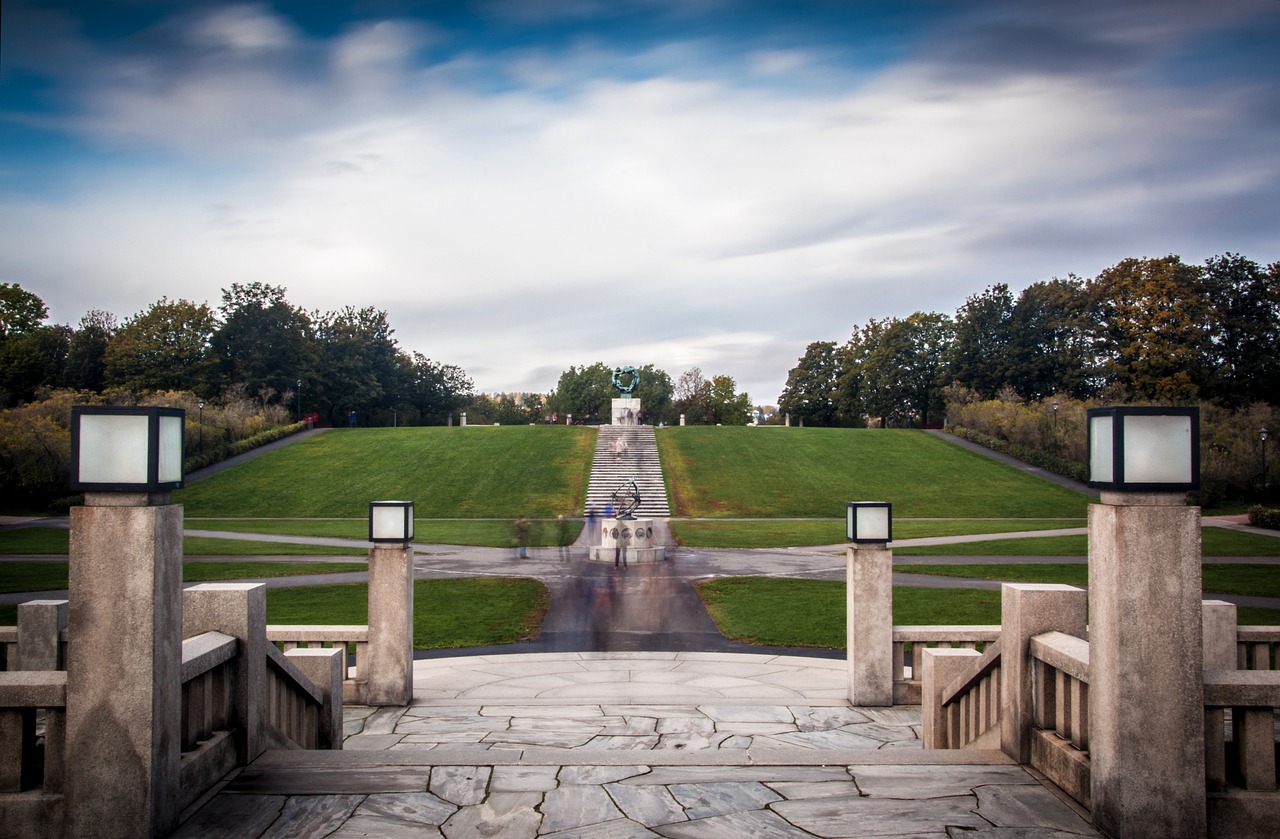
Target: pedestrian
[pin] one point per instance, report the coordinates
(562, 536)
(522, 537)
(591, 525)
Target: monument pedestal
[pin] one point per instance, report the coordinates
(626, 411)
(633, 536)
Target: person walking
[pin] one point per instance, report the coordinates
(522, 537)
(562, 536)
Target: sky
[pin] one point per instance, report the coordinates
(525, 185)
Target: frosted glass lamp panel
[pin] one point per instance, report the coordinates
(873, 523)
(1101, 445)
(170, 465)
(113, 449)
(1157, 449)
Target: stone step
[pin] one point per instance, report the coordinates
(611, 470)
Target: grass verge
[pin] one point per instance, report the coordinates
(785, 533)
(543, 533)
(447, 614)
(498, 472)
(811, 613)
(1214, 541)
(811, 472)
(52, 576)
(1227, 578)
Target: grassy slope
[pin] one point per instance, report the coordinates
(812, 472)
(447, 472)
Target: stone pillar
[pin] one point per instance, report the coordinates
(124, 660)
(1219, 620)
(325, 668)
(682, 419)
(1146, 683)
(1027, 610)
(40, 625)
(389, 680)
(463, 420)
(869, 576)
(239, 610)
(939, 667)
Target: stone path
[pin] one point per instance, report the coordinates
(583, 745)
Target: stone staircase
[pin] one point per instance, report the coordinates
(638, 459)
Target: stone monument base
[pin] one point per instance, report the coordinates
(635, 536)
(626, 411)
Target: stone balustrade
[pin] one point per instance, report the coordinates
(906, 677)
(1060, 712)
(347, 638)
(1258, 648)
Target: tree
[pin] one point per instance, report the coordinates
(164, 348)
(655, 394)
(87, 354)
(32, 355)
(1151, 328)
(436, 389)
(693, 397)
(980, 357)
(20, 310)
(727, 406)
(358, 362)
(905, 372)
(1050, 344)
(586, 392)
(851, 390)
(810, 394)
(264, 343)
(1244, 332)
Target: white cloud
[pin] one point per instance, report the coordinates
(659, 220)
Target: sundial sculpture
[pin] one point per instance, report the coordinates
(626, 500)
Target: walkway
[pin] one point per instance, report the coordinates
(634, 745)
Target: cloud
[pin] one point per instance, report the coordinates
(638, 204)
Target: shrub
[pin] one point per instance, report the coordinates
(1267, 517)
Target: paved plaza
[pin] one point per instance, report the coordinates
(634, 745)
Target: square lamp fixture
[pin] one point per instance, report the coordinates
(126, 449)
(390, 521)
(1144, 449)
(869, 521)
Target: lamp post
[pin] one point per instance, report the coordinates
(299, 400)
(1263, 434)
(124, 624)
(869, 602)
(1146, 712)
(389, 678)
(201, 406)
(1056, 405)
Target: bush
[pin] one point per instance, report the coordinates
(1267, 517)
(1230, 455)
(35, 439)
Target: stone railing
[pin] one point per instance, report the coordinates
(320, 637)
(1258, 648)
(970, 705)
(906, 677)
(1060, 712)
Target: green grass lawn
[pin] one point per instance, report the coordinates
(447, 613)
(476, 532)
(1214, 541)
(773, 611)
(52, 576)
(53, 541)
(1256, 580)
(497, 472)
(812, 472)
(783, 533)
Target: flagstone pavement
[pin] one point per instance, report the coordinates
(672, 744)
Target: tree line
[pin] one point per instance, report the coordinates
(256, 345)
(1142, 330)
